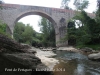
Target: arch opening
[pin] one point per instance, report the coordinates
(40, 14)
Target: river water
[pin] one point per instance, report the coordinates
(71, 63)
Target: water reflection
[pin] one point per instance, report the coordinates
(69, 68)
(80, 70)
(75, 64)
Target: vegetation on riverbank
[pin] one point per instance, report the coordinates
(3, 27)
(95, 47)
(82, 30)
(48, 33)
(87, 34)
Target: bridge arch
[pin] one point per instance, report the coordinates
(43, 14)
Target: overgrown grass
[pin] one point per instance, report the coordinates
(95, 47)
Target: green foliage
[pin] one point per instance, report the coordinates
(3, 27)
(93, 46)
(83, 5)
(18, 31)
(98, 16)
(83, 32)
(28, 34)
(88, 32)
(48, 32)
(64, 4)
(24, 33)
(80, 6)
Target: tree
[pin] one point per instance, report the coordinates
(18, 31)
(28, 34)
(71, 35)
(48, 32)
(24, 33)
(87, 33)
(83, 33)
(81, 5)
(64, 4)
(88, 30)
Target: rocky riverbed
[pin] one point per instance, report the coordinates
(22, 59)
(46, 57)
(18, 59)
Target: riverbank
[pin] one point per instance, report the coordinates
(89, 52)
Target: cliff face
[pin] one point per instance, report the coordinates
(17, 59)
(9, 45)
(6, 65)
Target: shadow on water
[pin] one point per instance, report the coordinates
(75, 64)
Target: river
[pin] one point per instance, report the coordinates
(71, 63)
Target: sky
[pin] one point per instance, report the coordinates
(34, 19)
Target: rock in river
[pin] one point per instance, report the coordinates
(94, 56)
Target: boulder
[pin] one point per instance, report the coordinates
(9, 45)
(94, 56)
(54, 48)
(6, 65)
(31, 51)
(27, 64)
(26, 46)
(23, 58)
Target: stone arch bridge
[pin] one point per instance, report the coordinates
(11, 13)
